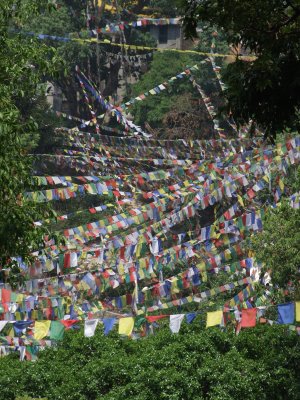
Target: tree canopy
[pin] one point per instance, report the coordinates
(23, 65)
(266, 88)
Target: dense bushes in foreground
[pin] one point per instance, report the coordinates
(259, 363)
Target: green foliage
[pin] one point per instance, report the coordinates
(267, 88)
(166, 8)
(23, 64)
(163, 67)
(198, 363)
(278, 246)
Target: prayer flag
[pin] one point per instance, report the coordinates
(41, 329)
(126, 326)
(175, 322)
(248, 318)
(68, 323)
(190, 317)
(57, 330)
(214, 318)
(108, 324)
(286, 313)
(298, 311)
(90, 326)
(153, 318)
(2, 325)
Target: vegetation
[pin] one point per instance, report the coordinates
(265, 89)
(198, 363)
(278, 246)
(23, 65)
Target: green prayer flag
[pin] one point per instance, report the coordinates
(57, 330)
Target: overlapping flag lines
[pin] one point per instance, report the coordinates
(243, 155)
(234, 157)
(207, 229)
(158, 89)
(160, 203)
(155, 152)
(68, 284)
(87, 100)
(145, 266)
(150, 207)
(146, 150)
(198, 298)
(191, 253)
(84, 81)
(72, 191)
(92, 210)
(7, 295)
(88, 123)
(105, 186)
(71, 286)
(95, 155)
(138, 141)
(97, 252)
(151, 212)
(137, 150)
(94, 158)
(208, 203)
(117, 303)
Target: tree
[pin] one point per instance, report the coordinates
(264, 89)
(23, 64)
(278, 246)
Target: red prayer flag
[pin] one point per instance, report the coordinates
(67, 260)
(248, 318)
(153, 318)
(5, 293)
(68, 323)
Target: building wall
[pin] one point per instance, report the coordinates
(167, 36)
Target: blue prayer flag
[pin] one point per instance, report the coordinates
(108, 324)
(286, 313)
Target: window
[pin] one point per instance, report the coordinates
(163, 34)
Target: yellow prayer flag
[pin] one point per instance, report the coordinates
(126, 326)
(11, 333)
(298, 311)
(214, 318)
(41, 329)
(281, 185)
(240, 200)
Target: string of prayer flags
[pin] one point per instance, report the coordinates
(159, 88)
(107, 42)
(110, 107)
